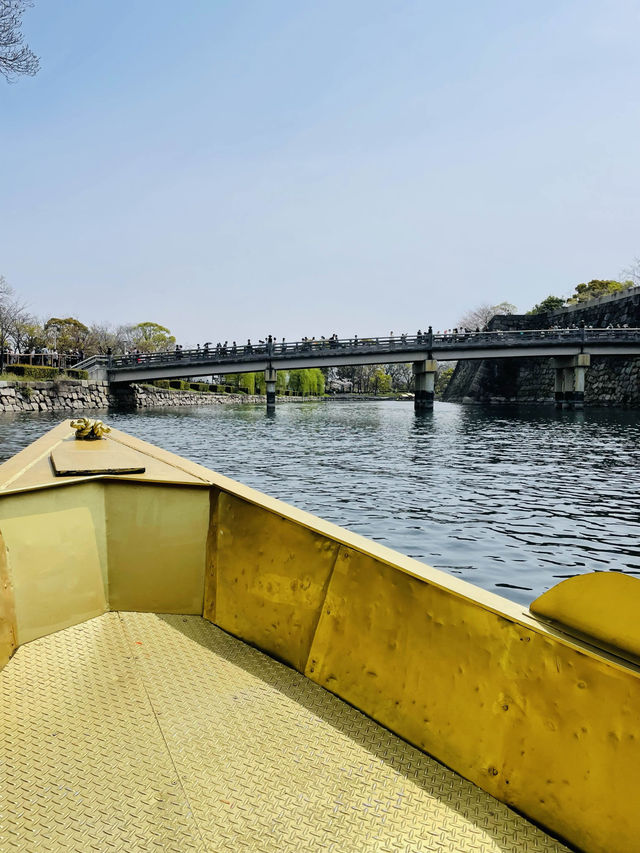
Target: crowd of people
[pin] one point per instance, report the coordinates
(270, 345)
(42, 357)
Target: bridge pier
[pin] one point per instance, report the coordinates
(270, 381)
(569, 384)
(424, 373)
(568, 401)
(559, 385)
(583, 361)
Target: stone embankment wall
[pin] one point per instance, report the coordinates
(610, 381)
(77, 396)
(148, 397)
(70, 396)
(599, 313)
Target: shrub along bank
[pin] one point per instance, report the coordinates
(42, 374)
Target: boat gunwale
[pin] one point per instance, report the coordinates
(207, 479)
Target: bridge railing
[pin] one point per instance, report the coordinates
(425, 342)
(40, 359)
(92, 361)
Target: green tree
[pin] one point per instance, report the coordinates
(66, 333)
(248, 381)
(317, 381)
(365, 374)
(232, 379)
(380, 381)
(299, 382)
(254, 382)
(27, 334)
(597, 287)
(401, 375)
(443, 377)
(150, 337)
(551, 303)
(309, 382)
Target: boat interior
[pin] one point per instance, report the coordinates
(189, 664)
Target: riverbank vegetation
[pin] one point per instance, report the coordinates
(23, 332)
(583, 293)
(42, 374)
(299, 383)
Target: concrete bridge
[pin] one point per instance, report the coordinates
(570, 350)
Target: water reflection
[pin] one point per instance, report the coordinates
(513, 499)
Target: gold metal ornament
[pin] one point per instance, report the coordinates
(87, 430)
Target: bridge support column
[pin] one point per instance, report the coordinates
(569, 387)
(582, 362)
(559, 388)
(270, 380)
(424, 373)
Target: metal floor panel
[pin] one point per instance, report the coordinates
(138, 732)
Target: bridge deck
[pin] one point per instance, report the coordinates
(139, 732)
(541, 343)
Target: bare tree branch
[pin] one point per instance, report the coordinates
(480, 316)
(16, 57)
(401, 375)
(12, 312)
(633, 272)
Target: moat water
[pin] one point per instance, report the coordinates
(512, 499)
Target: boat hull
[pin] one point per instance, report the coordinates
(543, 719)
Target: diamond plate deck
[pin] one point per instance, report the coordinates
(139, 732)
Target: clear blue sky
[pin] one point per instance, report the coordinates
(235, 168)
